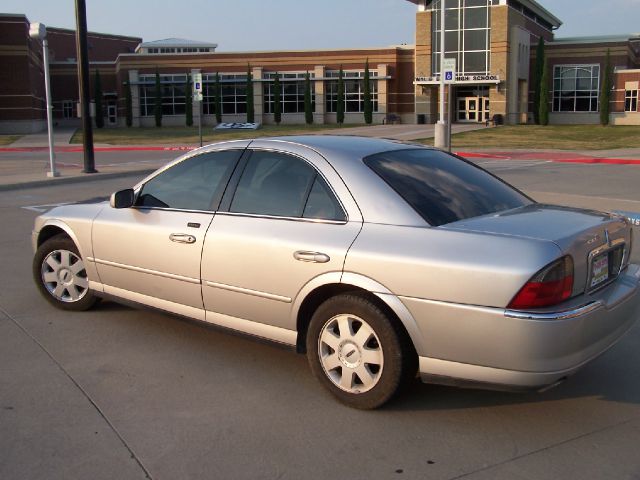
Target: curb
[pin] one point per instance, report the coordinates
(150, 148)
(70, 180)
(551, 158)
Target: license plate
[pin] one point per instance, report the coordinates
(600, 270)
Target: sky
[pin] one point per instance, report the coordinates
(242, 25)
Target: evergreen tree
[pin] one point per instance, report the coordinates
(605, 91)
(157, 106)
(543, 107)
(218, 99)
(537, 80)
(308, 107)
(188, 101)
(368, 104)
(128, 104)
(340, 106)
(97, 94)
(250, 108)
(277, 99)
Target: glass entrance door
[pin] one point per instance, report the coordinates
(470, 109)
(473, 109)
(112, 114)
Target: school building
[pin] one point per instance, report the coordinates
(492, 41)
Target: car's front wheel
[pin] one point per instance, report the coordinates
(357, 352)
(61, 276)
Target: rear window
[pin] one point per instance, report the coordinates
(443, 188)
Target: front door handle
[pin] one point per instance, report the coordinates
(182, 238)
(315, 257)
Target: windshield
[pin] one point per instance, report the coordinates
(443, 188)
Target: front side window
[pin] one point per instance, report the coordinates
(631, 100)
(194, 184)
(276, 184)
(575, 88)
(442, 188)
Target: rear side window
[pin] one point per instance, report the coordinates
(273, 184)
(193, 184)
(276, 184)
(442, 188)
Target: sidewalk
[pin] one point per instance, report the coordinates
(61, 136)
(24, 163)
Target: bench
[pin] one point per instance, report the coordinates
(391, 119)
(495, 120)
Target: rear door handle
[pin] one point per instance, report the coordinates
(314, 257)
(182, 238)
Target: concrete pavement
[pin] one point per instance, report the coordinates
(61, 136)
(131, 394)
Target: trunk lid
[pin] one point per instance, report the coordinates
(587, 235)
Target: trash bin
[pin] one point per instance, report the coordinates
(422, 119)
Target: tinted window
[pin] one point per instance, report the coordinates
(322, 204)
(194, 184)
(273, 184)
(443, 188)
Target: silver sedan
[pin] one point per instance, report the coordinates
(377, 259)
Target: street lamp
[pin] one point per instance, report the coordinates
(441, 139)
(38, 31)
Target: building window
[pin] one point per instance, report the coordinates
(233, 89)
(67, 108)
(631, 100)
(292, 88)
(467, 35)
(353, 91)
(575, 88)
(172, 92)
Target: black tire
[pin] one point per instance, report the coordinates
(398, 364)
(69, 290)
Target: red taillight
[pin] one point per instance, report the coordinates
(550, 286)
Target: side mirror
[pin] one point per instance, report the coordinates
(122, 199)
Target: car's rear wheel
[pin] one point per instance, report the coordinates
(357, 352)
(61, 276)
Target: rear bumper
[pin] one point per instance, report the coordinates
(499, 348)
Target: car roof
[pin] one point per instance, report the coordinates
(344, 145)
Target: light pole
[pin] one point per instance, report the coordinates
(83, 86)
(441, 140)
(38, 31)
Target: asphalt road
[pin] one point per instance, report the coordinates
(124, 393)
(13, 164)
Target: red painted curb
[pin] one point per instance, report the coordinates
(551, 157)
(556, 157)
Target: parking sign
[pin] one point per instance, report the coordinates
(197, 82)
(449, 70)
